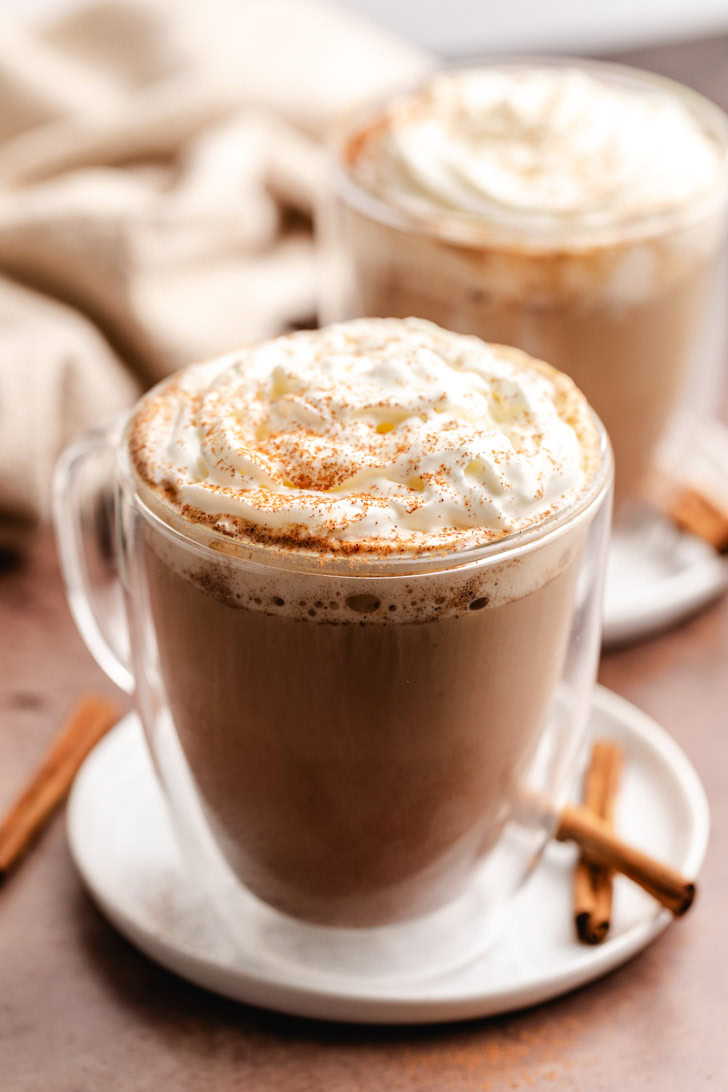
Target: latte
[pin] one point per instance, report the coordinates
(361, 653)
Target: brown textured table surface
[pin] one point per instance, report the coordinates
(81, 1010)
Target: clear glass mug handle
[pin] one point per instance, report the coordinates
(85, 525)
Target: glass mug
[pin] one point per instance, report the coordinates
(363, 759)
(634, 313)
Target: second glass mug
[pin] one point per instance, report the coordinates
(357, 790)
(634, 314)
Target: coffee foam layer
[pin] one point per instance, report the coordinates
(556, 142)
(619, 274)
(378, 436)
(342, 600)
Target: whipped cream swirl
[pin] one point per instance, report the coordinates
(552, 141)
(381, 435)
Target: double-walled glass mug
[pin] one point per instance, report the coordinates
(632, 309)
(363, 759)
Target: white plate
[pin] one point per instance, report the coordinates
(124, 848)
(656, 576)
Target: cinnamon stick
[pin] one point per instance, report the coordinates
(696, 512)
(600, 845)
(89, 721)
(593, 882)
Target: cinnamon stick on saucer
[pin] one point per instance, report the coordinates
(600, 845)
(593, 882)
(696, 512)
(89, 721)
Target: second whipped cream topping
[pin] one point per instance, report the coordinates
(373, 435)
(554, 141)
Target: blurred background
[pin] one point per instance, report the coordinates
(160, 161)
(462, 27)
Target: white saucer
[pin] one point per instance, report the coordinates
(656, 576)
(124, 848)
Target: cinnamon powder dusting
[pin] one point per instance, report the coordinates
(376, 436)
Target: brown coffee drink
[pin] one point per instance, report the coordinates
(361, 653)
(575, 210)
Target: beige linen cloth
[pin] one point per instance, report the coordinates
(159, 160)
